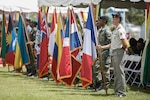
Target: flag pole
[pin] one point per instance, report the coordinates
(102, 70)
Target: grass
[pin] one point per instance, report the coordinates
(15, 86)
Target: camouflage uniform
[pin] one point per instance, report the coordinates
(104, 38)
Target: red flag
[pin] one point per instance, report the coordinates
(75, 44)
(43, 58)
(65, 69)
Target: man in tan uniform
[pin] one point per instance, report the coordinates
(118, 45)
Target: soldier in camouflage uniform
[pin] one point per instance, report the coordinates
(104, 38)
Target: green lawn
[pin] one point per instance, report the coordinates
(15, 86)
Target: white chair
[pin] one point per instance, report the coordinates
(131, 62)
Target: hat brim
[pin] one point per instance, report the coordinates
(116, 15)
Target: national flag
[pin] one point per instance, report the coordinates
(89, 50)
(38, 39)
(43, 57)
(11, 42)
(145, 69)
(21, 54)
(75, 44)
(57, 51)
(52, 33)
(81, 18)
(3, 47)
(65, 69)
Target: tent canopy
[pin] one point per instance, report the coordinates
(139, 4)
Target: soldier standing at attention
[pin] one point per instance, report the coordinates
(104, 38)
(118, 46)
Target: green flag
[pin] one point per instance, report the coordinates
(3, 49)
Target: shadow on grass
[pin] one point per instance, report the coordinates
(139, 89)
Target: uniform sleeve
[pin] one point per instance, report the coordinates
(108, 36)
(122, 34)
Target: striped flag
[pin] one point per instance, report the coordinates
(89, 50)
(57, 51)
(11, 42)
(43, 57)
(52, 33)
(65, 69)
(21, 53)
(75, 44)
(145, 69)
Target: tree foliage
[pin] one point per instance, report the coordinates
(135, 16)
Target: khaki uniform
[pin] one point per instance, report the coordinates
(117, 54)
(104, 38)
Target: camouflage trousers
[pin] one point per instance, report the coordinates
(97, 72)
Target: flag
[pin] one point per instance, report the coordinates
(11, 42)
(89, 50)
(52, 33)
(65, 69)
(38, 39)
(81, 18)
(75, 44)
(55, 45)
(3, 47)
(145, 69)
(21, 53)
(43, 57)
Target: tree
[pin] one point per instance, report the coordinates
(135, 16)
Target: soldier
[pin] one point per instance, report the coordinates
(104, 38)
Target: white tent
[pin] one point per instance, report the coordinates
(19, 5)
(65, 2)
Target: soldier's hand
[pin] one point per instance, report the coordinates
(99, 47)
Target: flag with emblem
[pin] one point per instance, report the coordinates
(43, 57)
(11, 42)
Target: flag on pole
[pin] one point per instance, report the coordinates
(3, 47)
(11, 42)
(38, 39)
(43, 57)
(81, 18)
(21, 53)
(145, 69)
(52, 33)
(75, 44)
(89, 50)
(55, 45)
(65, 69)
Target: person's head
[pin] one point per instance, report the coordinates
(116, 18)
(102, 21)
(33, 23)
(133, 42)
(84, 24)
(27, 21)
(140, 44)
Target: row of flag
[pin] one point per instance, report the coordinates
(64, 46)
(65, 49)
